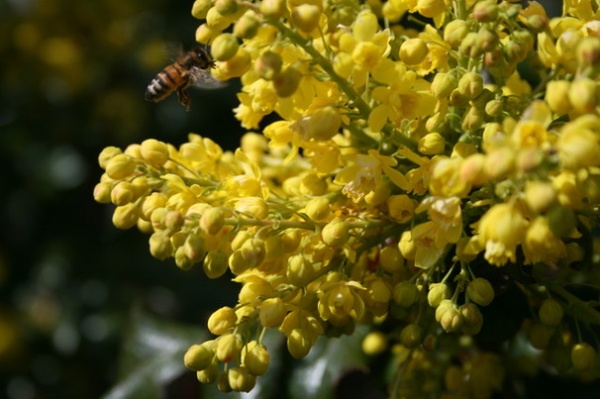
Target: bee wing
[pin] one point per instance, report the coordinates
(204, 80)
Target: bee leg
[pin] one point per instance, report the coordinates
(184, 98)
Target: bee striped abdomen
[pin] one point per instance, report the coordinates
(166, 82)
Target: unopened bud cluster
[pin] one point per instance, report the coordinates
(405, 180)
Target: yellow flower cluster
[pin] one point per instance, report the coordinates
(402, 166)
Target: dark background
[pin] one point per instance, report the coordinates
(72, 79)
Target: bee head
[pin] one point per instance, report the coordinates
(203, 58)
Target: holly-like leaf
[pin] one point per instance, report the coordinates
(322, 373)
(152, 356)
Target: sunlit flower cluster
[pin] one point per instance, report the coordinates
(412, 177)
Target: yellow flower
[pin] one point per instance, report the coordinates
(446, 178)
(500, 230)
(446, 213)
(430, 243)
(365, 173)
(366, 45)
(540, 245)
(402, 96)
(578, 146)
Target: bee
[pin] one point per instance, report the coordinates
(190, 69)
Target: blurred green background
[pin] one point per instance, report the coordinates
(72, 81)
(72, 287)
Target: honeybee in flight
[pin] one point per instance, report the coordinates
(190, 69)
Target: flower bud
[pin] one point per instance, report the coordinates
(374, 343)
(320, 125)
(107, 154)
(561, 221)
(413, 51)
(253, 252)
(469, 45)
(583, 95)
(256, 359)
(216, 20)
(205, 34)
(537, 22)
(317, 208)
(451, 319)
(102, 193)
(473, 319)
(494, 108)
(212, 221)
(173, 220)
(226, 7)
(181, 260)
(240, 379)
(407, 245)
(390, 259)
(557, 96)
(237, 263)
(411, 335)
(442, 85)
(486, 11)
(306, 17)
(551, 312)
(160, 245)
(365, 26)
(247, 26)
(539, 196)
(194, 247)
(151, 203)
(222, 320)
(335, 233)
(472, 170)
(298, 343)
(209, 374)
(120, 167)
(401, 208)
(300, 271)
(588, 51)
(252, 207)
(437, 293)
(405, 293)
(273, 8)
(200, 8)
(122, 193)
(287, 82)
(268, 65)
(583, 356)
(215, 264)
(455, 31)
(480, 291)
(272, 312)
(229, 347)
(236, 66)
(470, 85)
(126, 216)
(198, 357)
(224, 47)
(432, 144)
(155, 152)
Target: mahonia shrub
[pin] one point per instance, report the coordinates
(412, 181)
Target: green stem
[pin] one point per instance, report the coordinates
(577, 308)
(324, 63)
(363, 108)
(460, 9)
